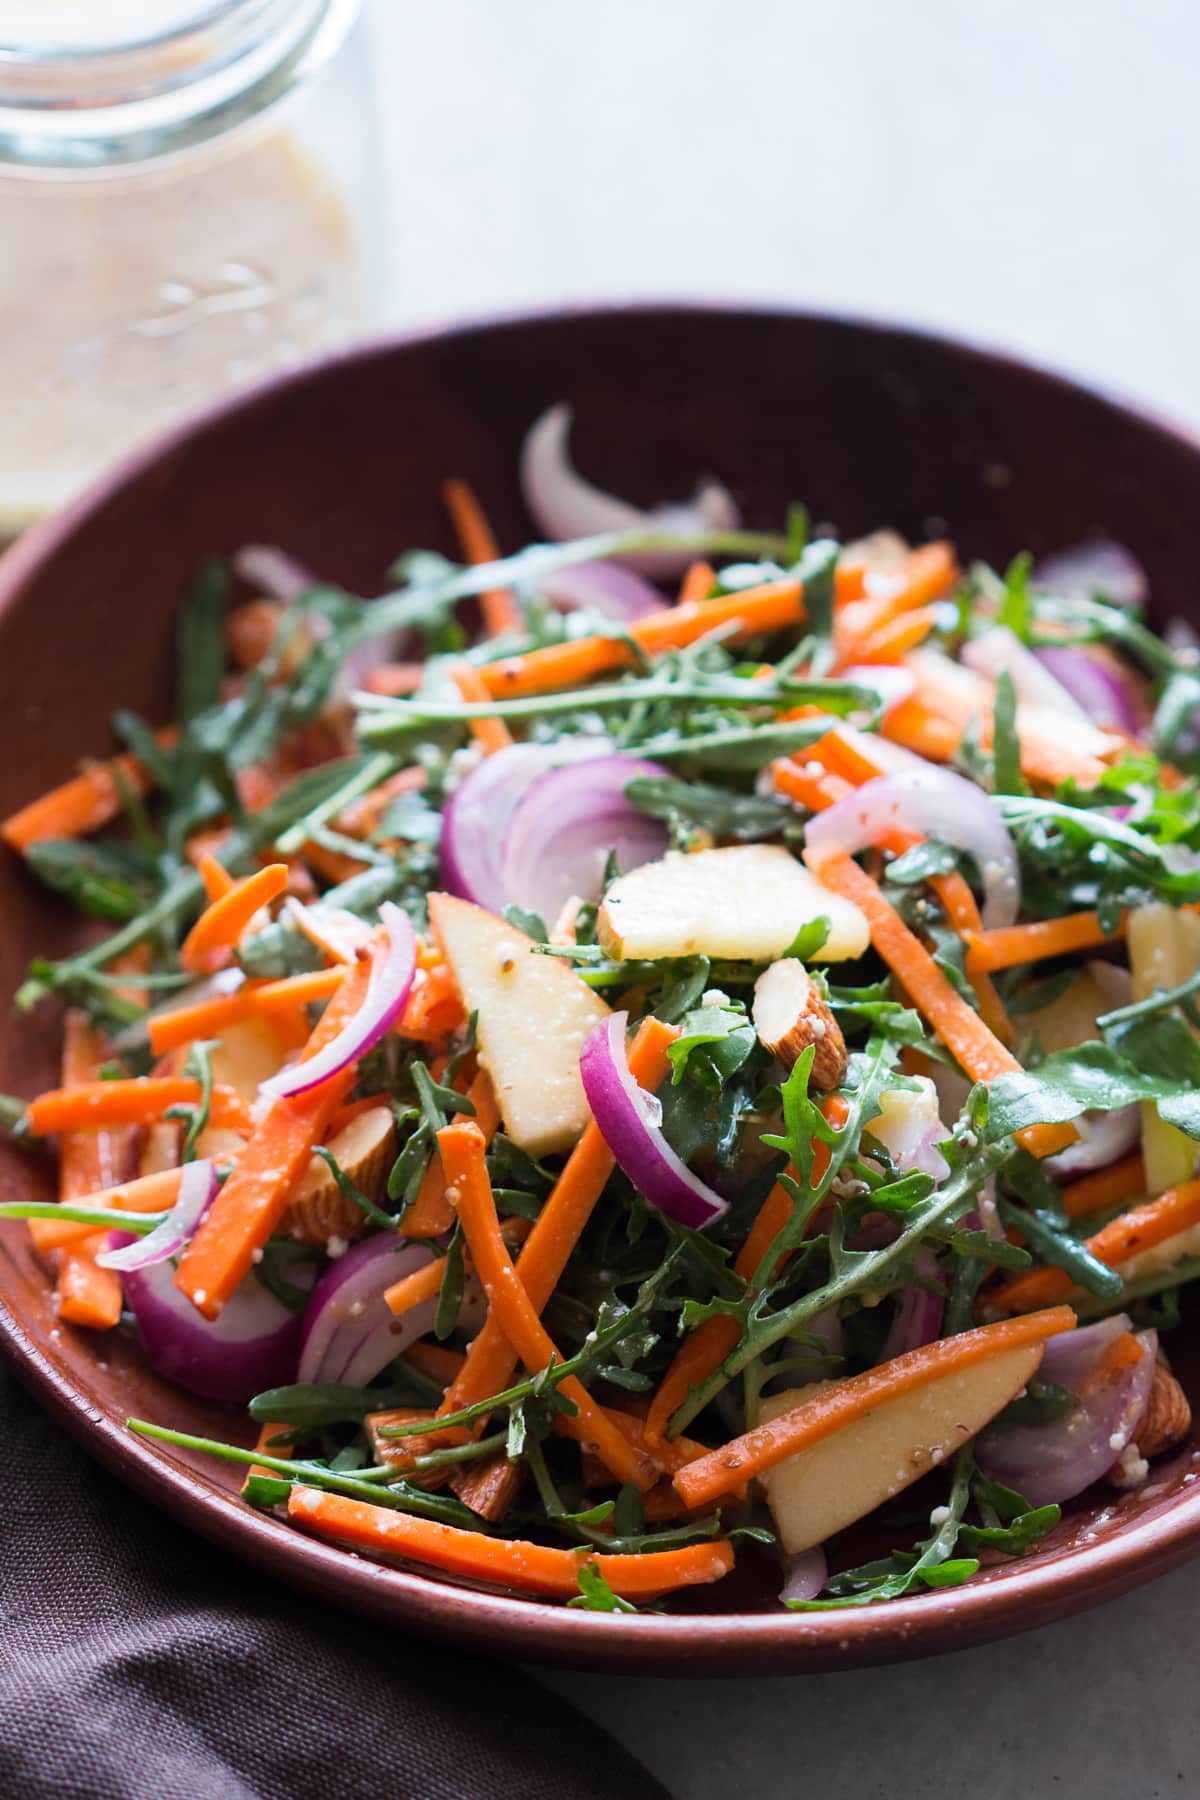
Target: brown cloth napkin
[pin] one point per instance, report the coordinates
(138, 1663)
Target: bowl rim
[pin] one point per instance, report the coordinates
(1026, 1595)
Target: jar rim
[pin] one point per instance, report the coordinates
(89, 107)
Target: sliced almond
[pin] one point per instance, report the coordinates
(489, 1488)
(364, 1150)
(1168, 1417)
(398, 1452)
(790, 1014)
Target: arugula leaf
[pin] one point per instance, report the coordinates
(686, 806)
(1092, 1078)
(714, 1042)
(1006, 745)
(810, 940)
(1014, 607)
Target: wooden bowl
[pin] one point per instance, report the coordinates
(341, 463)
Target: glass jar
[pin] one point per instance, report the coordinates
(188, 201)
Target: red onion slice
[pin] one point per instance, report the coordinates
(560, 836)
(1073, 1354)
(343, 932)
(630, 1122)
(932, 803)
(611, 589)
(566, 506)
(1100, 568)
(388, 989)
(272, 571)
(198, 1186)
(1103, 1139)
(479, 812)
(1054, 1462)
(1000, 649)
(252, 1345)
(349, 1335)
(919, 1315)
(804, 1575)
(1097, 688)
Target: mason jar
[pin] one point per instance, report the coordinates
(188, 201)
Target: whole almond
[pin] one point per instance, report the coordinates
(789, 1014)
(1168, 1416)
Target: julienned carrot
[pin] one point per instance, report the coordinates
(222, 923)
(434, 1007)
(1141, 1228)
(255, 1197)
(491, 1359)
(139, 1101)
(927, 574)
(770, 607)
(1009, 945)
(891, 641)
(731, 1468)
(267, 1431)
(84, 804)
(500, 610)
(504, 1562)
(394, 678)
(215, 876)
(437, 1361)
(845, 759)
(1125, 1180)
(256, 999)
(923, 730)
(697, 583)
(977, 1048)
(146, 1194)
(431, 1213)
(1120, 1354)
(413, 1290)
(463, 1150)
(706, 1348)
(490, 734)
(86, 1294)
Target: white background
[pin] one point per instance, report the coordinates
(1015, 172)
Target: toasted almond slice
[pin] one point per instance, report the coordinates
(790, 1014)
(364, 1150)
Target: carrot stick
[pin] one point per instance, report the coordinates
(148, 1193)
(257, 999)
(927, 574)
(491, 1359)
(255, 1197)
(978, 1050)
(140, 1100)
(707, 1347)
(503, 1562)
(394, 678)
(697, 583)
(1008, 945)
(413, 1290)
(1120, 1354)
(923, 730)
(222, 923)
(86, 1294)
(435, 1360)
(463, 1150)
(500, 611)
(769, 607)
(215, 876)
(889, 643)
(1127, 1235)
(490, 734)
(431, 1213)
(1107, 1188)
(731, 1468)
(84, 804)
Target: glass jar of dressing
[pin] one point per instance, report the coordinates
(187, 203)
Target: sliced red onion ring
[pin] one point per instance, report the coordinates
(919, 1315)
(630, 1122)
(1097, 688)
(933, 803)
(612, 589)
(388, 989)
(480, 810)
(560, 836)
(272, 571)
(804, 1575)
(1100, 568)
(349, 1334)
(252, 1345)
(891, 681)
(1054, 1462)
(565, 506)
(198, 1186)
(1000, 649)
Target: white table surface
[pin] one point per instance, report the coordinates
(1014, 172)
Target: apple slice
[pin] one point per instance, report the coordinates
(843, 1477)
(533, 1015)
(745, 902)
(246, 1055)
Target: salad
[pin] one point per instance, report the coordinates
(620, 1061)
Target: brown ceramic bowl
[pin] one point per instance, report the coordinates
(341, 464)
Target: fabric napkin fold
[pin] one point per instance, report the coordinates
(138, 1663)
